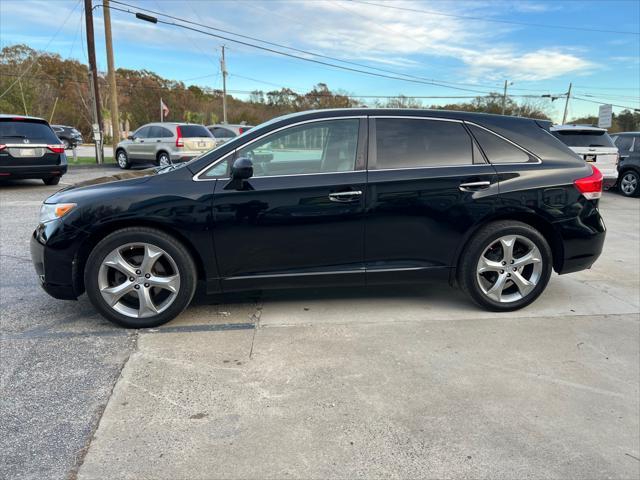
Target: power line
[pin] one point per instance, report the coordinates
(396, 75)
(605, 103)
(495, 20)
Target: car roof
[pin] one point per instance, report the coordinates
(627, 133)
(577, 128)
(21, 117)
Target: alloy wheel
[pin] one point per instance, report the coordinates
(122, 159)
(164, 160)
(509, 268)
(139, 280)
(629, 183)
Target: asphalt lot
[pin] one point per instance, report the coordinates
(394, 382)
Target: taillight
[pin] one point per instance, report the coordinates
(56, 148)
(179, 141)
(591, 186)
(2, 147)
(242, 130)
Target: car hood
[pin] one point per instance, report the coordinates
(112, 178)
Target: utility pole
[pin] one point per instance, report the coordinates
(93, 80)
(115, 117)
(504, 97)
(566, 105)
(223, 67)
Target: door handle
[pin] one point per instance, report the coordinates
(345, 196)
(158, 141)
(473, 186)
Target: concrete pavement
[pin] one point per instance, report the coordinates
(393, 382)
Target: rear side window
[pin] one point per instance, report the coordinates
(624, 142)
(220, 132)
(411, 143)
(496, 149)
(160, 132)
(584, 138)
(19, 131)
(193, 131)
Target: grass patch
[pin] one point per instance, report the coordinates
(88, 161)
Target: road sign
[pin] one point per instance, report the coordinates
(604, 116)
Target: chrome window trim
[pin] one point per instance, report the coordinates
(196, 177)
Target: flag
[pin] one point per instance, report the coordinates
(164, 110)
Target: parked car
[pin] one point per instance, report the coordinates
(331, 197)
(164, 143)
(70, 136)
(594, 145)
(30, 149)
(224, 132)
(628, 144)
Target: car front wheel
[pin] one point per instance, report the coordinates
(629, 183)
(123, 159)
(505, 266)
(140, 277)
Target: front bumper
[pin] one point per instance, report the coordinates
(54, 267)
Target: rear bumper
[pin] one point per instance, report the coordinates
(185, 156)
(32, 171)
(582, 239)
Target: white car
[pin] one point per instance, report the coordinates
(594, 145)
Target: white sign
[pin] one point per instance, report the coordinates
(604, 116)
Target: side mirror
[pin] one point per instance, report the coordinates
(241, 171)
(131, 137)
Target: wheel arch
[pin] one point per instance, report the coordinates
(81, 256)
(546, 229)
(161, 151)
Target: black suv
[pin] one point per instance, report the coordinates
(70, 136)
(628, 144)
(331, 198)
(30, 149)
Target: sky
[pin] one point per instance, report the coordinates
(469, 47)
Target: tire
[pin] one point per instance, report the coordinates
(122, 159)
(142, 305)
(51, 180)
(491, 245)
(629, 183)
(163, 159)
(66, 143)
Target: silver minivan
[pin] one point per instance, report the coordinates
(164, 143)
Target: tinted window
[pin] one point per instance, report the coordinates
(18, 131)
(220, 132)
(624, 142)
(496, 149)
(165, 133)
(318, 147)
(194, 131)
(584, 138)
(142, 132)
(155, 132)
(406, 143)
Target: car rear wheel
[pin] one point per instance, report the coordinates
(66, 143)
(123, 159)
(629, 183)
(140, 277)
(51, 180)
(164, 160)
(505, 266)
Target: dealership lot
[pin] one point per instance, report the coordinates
(392, 382)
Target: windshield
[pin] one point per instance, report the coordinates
(584, 138)
(34, 132)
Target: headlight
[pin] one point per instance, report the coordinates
(51, 211)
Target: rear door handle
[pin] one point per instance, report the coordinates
(473, 186)
(345, 196)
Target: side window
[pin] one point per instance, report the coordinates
(624, 142)
(220, 132)
(142, 132)
(496, 149)
(411, 143)
(317, 147)
(165, 133)
(155, 132)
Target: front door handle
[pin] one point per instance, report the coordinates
(474, 186)
(345, 196)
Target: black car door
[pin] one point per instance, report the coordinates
(300, 218)
(428, 183)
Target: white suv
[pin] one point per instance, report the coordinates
(594, 145)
